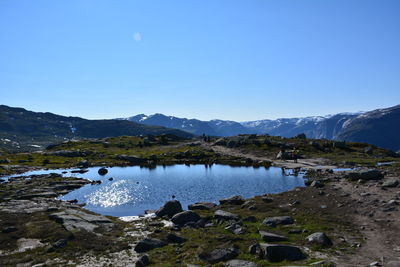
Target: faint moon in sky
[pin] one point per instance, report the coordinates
(137, 37)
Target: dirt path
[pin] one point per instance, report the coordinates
(318, 163)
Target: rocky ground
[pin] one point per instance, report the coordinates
(339, 219)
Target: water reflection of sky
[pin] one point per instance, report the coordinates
(135, 189)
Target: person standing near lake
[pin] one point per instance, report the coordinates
(295, 155)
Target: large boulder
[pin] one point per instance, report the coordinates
(240, 263)
(173, 238)
(185, 217)
(149, 244)
(320, 239)
(224, 215)
(169, 209)
(219, 254)
(235, 200)
(277, 253)
(391, 183)
(271, 237)
(202, 206)
(274, 221)
(369, 174)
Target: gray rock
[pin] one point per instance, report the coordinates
(369, 174)
(9, 229)
(235, 228)
(255, 249)
(143, 261)
(169, 209)
(185, 217)
(320, 239)
(240, 263)
(73, 220)
(202, 206)
(173, 238)
(149, 244)
(235, 200)
(83, 164)
(130, 159)
(317, 184)
(219, 254)
(391, 183)
(274, 221)
(267, 199)
(271, 237)
(393, 264)
(224, 215)
(277, 253)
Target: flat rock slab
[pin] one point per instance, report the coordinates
(73, 220)
(25, 244)
(240, 263)
(224, 215)
(370, 174)
(274, 221)
(271, 237)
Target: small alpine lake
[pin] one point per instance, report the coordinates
(132, 190)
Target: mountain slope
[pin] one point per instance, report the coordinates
(380, 127)
(23, 126)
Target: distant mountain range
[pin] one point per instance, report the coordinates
(380, 127)
(20, 127)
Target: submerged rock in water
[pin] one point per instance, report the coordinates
(102, 171)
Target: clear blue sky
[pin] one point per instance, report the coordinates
(238, 60)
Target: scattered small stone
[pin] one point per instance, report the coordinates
(277, 253)
(267, 199)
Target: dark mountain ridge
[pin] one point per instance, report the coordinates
(20, 126)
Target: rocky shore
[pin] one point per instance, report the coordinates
(339, 219)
